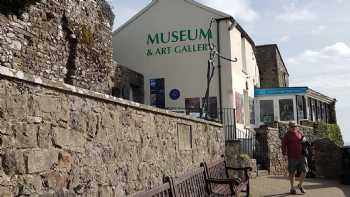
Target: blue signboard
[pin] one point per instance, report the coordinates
(174, 94)
(157, 93)
(274, 91)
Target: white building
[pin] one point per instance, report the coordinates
(167, 43)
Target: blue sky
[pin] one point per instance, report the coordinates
(313, 36)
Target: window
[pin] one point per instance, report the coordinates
(184, 134)
(244, 56)
(251, 110)
(301, 107)
(286, 110)
(266, 111)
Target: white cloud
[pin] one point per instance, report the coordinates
(328, 67)
(319, 29)
(284, 38)
(237, 8)
(291, 13)
(326, 70)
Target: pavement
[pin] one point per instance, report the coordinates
(274, 186)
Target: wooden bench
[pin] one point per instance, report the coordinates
(219, 183)
(207, 181)
(163, 190)
(191, 184)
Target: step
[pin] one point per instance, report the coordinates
(262, 173)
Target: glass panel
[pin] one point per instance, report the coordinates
(301, 107)
(286, 110)
(266, 111)
(251, 110)
(313, 110)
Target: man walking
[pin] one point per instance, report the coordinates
(292, 150)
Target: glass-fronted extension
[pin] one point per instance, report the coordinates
(295, 104)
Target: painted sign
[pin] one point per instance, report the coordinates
(272, 91)
(157, 93)
(158, 41)
(174, 94)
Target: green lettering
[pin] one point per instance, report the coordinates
(164, 41)
(158, 51)
(175, 36)
(152, 40)
(205, 34)
(183, 35)
(192, 38)
(178, 49)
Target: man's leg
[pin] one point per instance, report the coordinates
(303, 167)
(292, 179)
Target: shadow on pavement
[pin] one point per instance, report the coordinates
(280, 195)
(314, 184)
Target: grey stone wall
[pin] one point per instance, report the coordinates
(63, 40)
(271, 156)
(58, 139)
(273, 72)
(327, 157)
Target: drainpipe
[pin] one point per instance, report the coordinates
(219, 61)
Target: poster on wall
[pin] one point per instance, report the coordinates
(213, 106)
(193, 105)
(157, 93)
(238, 107)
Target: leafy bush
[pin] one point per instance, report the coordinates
(330, 131)
(244, 157)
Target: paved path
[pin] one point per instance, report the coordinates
(279, 187)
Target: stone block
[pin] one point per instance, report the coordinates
(55, 181)
(48, 103)
(41, 160)
(13, 163)
(26, 135)
(69, 139)
(44, 135)
(16, 106)
(65, 161)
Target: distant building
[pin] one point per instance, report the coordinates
(273, 71)
(128, 84)
(296, 104)
(167, 42)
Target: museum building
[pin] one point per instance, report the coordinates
(168, 43)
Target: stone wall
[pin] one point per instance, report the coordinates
(63, 40)
(270, 151)
(273, 72)
(58, 139)
(327, 158)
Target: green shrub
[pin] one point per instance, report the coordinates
(329, 131)
(244, 157)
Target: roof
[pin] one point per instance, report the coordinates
(194, 3)
(293, 90)
(274, 46)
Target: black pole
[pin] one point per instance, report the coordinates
(219, 66)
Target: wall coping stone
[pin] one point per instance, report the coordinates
(21, 76)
